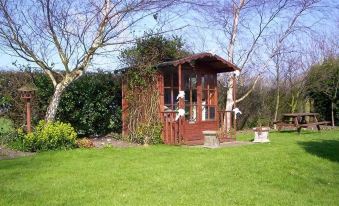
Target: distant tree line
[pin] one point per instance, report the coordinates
(314, 90)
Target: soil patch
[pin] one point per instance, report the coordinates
(108, 141)
(6, 153)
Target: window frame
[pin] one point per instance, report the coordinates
(173, 105)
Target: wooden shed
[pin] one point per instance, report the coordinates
(194, 76)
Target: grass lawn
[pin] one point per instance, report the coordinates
(292, 170)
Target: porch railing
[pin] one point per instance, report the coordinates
(172, 131)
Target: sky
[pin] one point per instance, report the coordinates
(197, 36)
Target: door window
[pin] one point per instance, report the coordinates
(209, 100)
(190, 85)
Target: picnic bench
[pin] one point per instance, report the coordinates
(300, 120)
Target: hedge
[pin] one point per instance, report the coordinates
(91, 104)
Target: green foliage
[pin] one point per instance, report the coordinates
(153, 49)
(148, 133)
(142, 95)
(49, 136)
(92, 104)
(323, 87)
(6, 130)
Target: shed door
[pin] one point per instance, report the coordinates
(200, 105)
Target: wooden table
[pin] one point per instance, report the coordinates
(300, 120)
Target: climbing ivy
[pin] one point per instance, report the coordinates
(143, 120)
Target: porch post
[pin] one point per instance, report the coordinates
(180, 85)
(234, 105)
(181, 104)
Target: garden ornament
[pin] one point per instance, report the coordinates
(236, 111)
(181, 113)
(181, 95)
(236, 73)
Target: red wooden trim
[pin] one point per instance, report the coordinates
(199, 97)
(181, 101)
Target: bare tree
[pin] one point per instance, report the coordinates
(63, 37)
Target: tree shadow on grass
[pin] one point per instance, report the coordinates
(294, 131)
(328, 149)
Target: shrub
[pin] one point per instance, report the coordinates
(84, 143)
(49, 136)
(6, 130)
(92, 104)
(148, 134)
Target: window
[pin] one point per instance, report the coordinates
(171, 90)
(209, 100)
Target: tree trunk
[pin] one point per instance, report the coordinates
(229, 105)
(277, 106)
(332, 113)
(59, 89)
(54, 103)
(307, 109)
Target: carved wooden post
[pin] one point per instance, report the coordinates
(27, 92)
(181, 103)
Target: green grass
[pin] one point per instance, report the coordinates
(292, 170)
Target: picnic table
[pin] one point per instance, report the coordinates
(300, 120)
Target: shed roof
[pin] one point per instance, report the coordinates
(206, 60)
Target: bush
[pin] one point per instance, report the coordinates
(49, 136)
(6, 130)
(91, 104)
(148, 134)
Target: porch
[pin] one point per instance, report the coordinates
(189, 99)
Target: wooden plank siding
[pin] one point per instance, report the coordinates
(188, 129)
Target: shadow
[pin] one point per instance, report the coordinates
(287, 131)
(328, 149)
(296, 132)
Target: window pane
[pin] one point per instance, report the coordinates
(211, 81)
(203, 80)
(204, 96)
(193, 80)
(175, 94)
(187, 112)
(167, 79)
(193, 113)
(167, 96)
(194, 96)
(187, 96)
(211, 98)
(212, 113)
(186, 81)
(175, 79)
